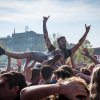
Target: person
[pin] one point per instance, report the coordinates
(46, 73)
(35, 78)
(91, 66)
(63, 72)
(95, 83)
(87, 54)
(62, 42)
(11, 83)
(34, 55)
(85, 71)
(71, 89)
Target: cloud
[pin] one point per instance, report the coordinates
(67, 14)
(25, 10)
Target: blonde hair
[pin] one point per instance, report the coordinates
(95, 84)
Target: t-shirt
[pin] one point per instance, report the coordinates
(67, 53)
(39, 56)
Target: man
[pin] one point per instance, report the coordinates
(34, 55)
(11, 84)
(87, 54)
(46, 74)
(39, 56)
(71, 89)
(62, 42)
(35, 78)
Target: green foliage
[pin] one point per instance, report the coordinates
(81, 58)
(86, 44)
(78, 57)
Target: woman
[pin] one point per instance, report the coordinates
(95, 84)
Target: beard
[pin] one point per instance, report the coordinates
(62, 47)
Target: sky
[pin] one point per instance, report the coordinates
(67, 17)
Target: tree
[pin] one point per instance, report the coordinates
(81, 58)
(78, 57)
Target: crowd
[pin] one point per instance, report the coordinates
(50, 78)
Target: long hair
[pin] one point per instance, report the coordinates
(95, 84)
(77, 80)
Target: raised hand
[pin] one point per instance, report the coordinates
(45, 18)
(87, 28)
(27, 73)
(85, 52)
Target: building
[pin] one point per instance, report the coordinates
(25, 41)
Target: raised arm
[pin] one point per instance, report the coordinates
(81, 40)
(46, 37)
(73, 62)
(9, 65)
(70, 90)
(86, 53)
(19, 64)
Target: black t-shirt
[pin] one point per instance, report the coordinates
(67, 53)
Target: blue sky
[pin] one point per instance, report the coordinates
(67, 17)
